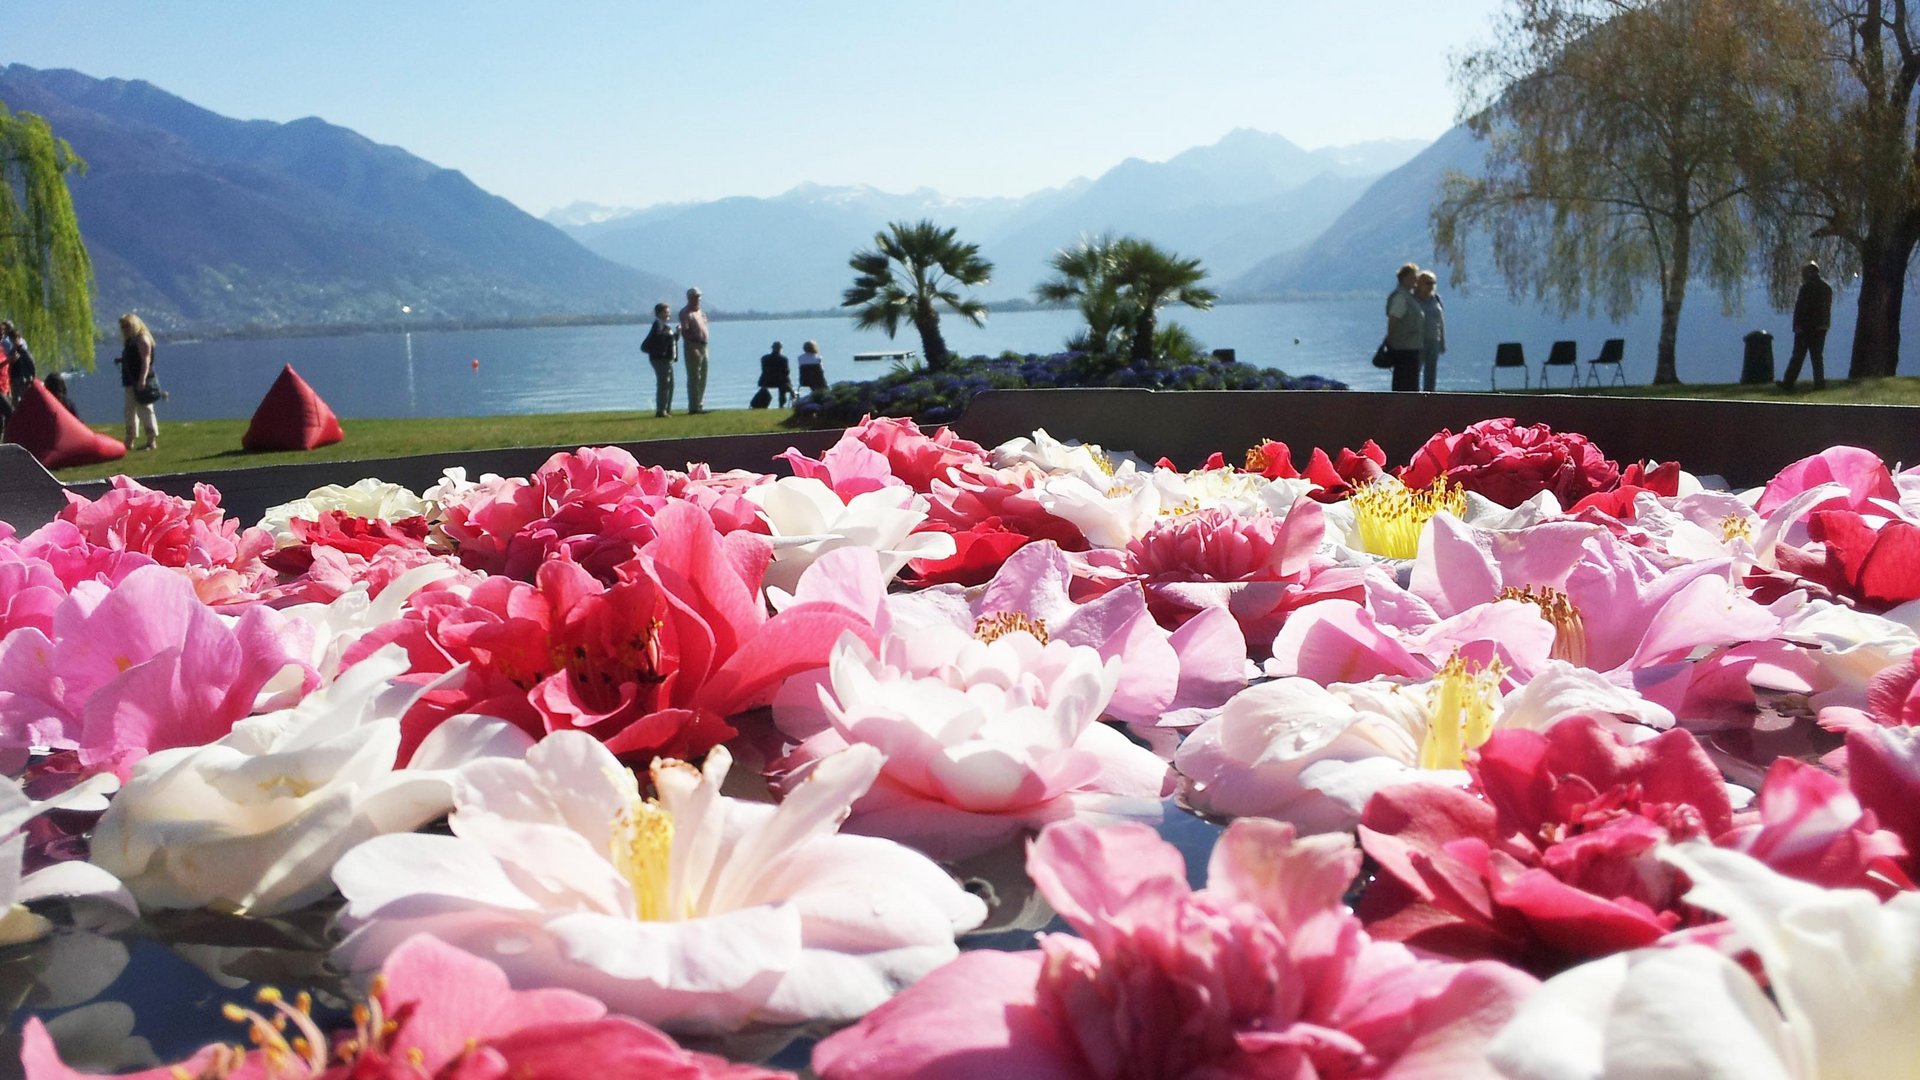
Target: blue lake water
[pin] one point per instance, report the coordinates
(600, 367)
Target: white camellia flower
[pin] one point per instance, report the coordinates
(692, 911)
(1109, 509)
(808, 520)
(1841, 967)
(1852, 646)
(254, 821)
(370, 498)
(1313, 755)
(1049, 454)
(72, 881)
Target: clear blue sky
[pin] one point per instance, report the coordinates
(637, 103)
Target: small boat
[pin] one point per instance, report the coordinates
(896, 355)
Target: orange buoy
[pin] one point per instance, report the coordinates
(476, 363)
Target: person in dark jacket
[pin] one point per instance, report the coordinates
(659, 345)
(776, 373)
(1812, 314)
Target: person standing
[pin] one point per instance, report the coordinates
(1433, 330)
(1406, 329)
(693, 333)
(776, 373)
(813, 375)
(658, 345)
(136, 366)
(1812, 315)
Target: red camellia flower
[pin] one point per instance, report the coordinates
(344, 532)
(1662, 480)
(1510, 464)
(1877, 566)
(1335, 477)
(1550, 860)
(652, 665)
(979, 552)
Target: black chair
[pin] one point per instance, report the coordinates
(1611, 352)
(1509, 354)
(1564, 354)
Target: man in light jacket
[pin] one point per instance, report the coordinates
(693, 339)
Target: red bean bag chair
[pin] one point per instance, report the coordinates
(57, 437)
(291, 417)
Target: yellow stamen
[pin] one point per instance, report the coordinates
(1256, 460)
(1100, 460)
(642, 850)
(1462, 712)
(1390, 516)
(996, 625)
(1189, 505)
(1735, 527)
(1569, 629)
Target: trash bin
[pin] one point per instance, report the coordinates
(1225, 356)
(1758, 367)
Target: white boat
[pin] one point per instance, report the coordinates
(897, 355)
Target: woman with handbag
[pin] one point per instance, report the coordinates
(138, 382)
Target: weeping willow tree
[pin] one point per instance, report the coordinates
(46, 279)
(1625, 139)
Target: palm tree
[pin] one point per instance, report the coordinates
(911, 271)
(1085, 275)
(1150, 279)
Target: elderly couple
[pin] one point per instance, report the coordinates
(659, 347)
(1416, 329)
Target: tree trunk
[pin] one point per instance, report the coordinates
(932, 345)
(1673, 293)
(1142, 352)
(1883, 281)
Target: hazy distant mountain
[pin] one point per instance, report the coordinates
(201, 221)
(1386, 227)
(1232, 204)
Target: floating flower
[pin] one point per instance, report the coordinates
(143, 666)
(252, 822)
(1262, 973)
(1199, 665)
(1510, 464)
(195, 537)
(985, 734)
(1862, 481)
(652, 664)
(1313, 755)
(435, 1013)
(1257, 568)
(369, 500)
(1838, 1000)
(692, 910)
(1552, 857)
(807, 520)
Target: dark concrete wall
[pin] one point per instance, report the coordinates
(1744, 441)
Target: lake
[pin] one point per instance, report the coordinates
(569, 369)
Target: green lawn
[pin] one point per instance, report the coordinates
(203, 445)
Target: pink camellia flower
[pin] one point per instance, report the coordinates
(1261, 974)
(652, 664)
(985, 733)
(223, 561)
(1257, 568)
(1808, 825)
(436, 1013)
(594, 506)
(1509, 464)
(142, 666)
(1197, 666)
(1551, 858)
(913, 455)
(1861, 472)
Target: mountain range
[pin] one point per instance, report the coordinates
(200, 221)
(1232, 204)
